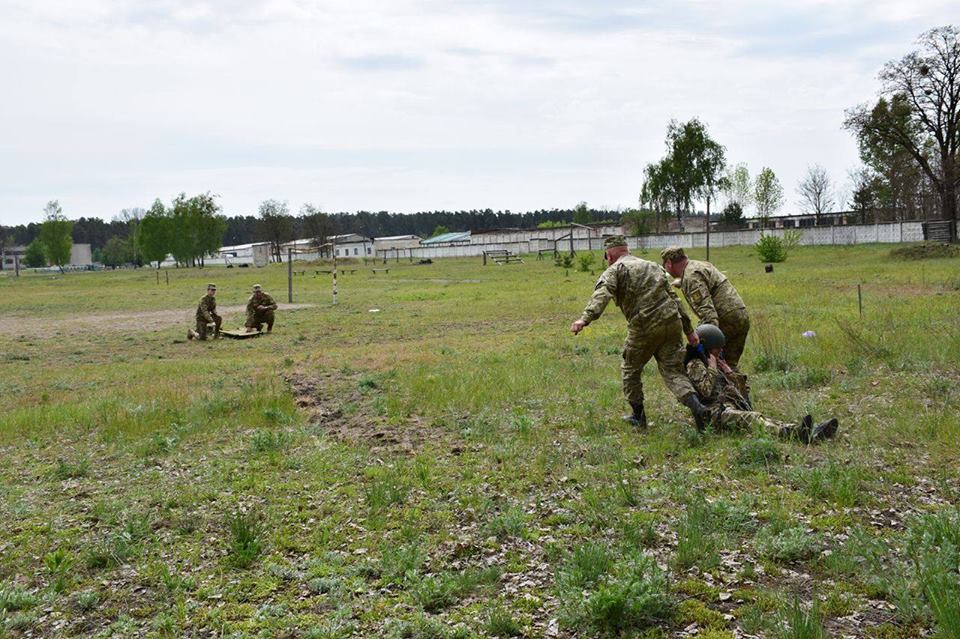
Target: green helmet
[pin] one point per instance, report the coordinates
(711, 336)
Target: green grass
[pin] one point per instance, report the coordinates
(470, 475)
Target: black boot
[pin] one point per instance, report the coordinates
(637, 419)
(824, 430)
(692, 401)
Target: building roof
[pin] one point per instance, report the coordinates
(461, 236)
(240, 247)
(390, 238)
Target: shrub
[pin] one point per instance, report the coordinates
(564, 261)
(770, 248)
(585, 261)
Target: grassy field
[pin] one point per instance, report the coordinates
(437, 456)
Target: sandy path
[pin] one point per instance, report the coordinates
(139, 321)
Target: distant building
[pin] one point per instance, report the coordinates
(346, 245)
(9, 256)
(395, 242)
(255, 254)
(81, 255)
(460, 237)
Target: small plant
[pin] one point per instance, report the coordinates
(268, 441)
(634, 598)
(788, 545)
(588, 563)
(397, 564)
(71, 470)
(384, 489)
(87, 600)
(13, 599)
(245, 544)
(770, 248)
(564, 261)
(758, 452)
(585, 261)
(500, 623)
(697, 545)
(509, 523)
(58, 564)
(800, 623)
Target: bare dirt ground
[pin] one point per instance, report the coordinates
(334, 403)
(139, 321)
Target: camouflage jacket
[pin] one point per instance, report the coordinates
(642, 291)
(207, 308)
(716, 388)
(263, 300)
(709, 293)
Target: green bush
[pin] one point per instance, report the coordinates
(771, 248)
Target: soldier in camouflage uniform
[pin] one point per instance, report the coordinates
(656, 323)
(260, 308)
(712, 297)
(721, 389)
(207, 315)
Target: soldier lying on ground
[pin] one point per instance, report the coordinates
(260, 308)
(721, 391)
(207, 317)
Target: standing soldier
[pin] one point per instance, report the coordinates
(207, 315)
(260, 308)
(723, 391)
(712, 297)
(656, 324)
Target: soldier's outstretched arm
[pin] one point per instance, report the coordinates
(604, 291)
(684, 318)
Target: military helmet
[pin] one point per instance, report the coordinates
(711, 336)
(613, 241)
(257, 287)
(672, 253)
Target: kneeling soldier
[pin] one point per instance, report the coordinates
(207, 317)
(260, 308)
(721, 390)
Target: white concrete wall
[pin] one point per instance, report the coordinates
(817, 236)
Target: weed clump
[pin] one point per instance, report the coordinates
(757, 453)
(786, 546)
(630, 596)
(245, 544)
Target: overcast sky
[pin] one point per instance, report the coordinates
(410, 105)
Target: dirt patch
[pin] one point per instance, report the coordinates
(334, 403)
(123, 322)
(925, 251)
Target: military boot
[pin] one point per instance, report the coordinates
(824, 430)
(637, 419)
(692, 401)
(191, 334)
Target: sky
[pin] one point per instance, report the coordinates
(412, 105)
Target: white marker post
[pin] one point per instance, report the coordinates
(334, 246)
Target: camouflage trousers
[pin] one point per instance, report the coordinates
(203, 330)
(663, 342)
(735, 326)
(731, 420)
(258, 318)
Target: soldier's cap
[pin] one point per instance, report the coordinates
(672, 253)
(213, 286)
(614, 240)
(257, 287)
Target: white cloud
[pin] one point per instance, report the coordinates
(411, 105)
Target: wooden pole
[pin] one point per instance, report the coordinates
(860, 300)
(167, 275)
(290, 275)
(158, 277)
(16, 265)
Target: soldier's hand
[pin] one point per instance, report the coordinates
(693, 338)
(577, 326)
(712, 361)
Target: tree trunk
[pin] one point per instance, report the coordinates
(948, 197)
